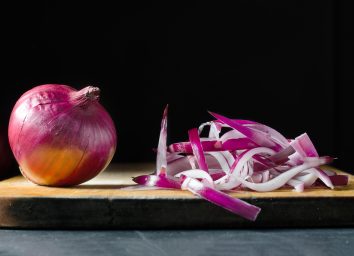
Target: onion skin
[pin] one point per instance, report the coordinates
(61, 136)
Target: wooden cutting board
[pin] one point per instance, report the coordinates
(102, 203)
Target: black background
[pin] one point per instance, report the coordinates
(287, 64)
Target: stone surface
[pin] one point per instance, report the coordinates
(275, 242)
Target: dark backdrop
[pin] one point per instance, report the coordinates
(287, 64)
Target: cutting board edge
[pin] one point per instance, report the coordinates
(161, 214)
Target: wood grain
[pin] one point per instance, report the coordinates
(105, 202)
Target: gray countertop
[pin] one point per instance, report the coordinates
(178, 242)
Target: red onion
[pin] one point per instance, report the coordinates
(61, 136)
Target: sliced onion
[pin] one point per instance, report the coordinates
(283, 178)
(249, 156)
(224, 163)
(239, 168)
(254, 135)
(197, 174)
(305, 148)
(221, 199)
(299, 186)
(161, 159)
(309, 178)
(186, 147)
(197, 149)
(339, 180)
(158, 181)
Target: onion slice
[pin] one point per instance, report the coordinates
(235, 205)
(254, 135)
(197, 149)
(158, 181)
(339, 180)
(161, 159)
(283, 178)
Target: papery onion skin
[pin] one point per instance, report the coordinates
(61, 136)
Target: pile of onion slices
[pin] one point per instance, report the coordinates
(238, 155)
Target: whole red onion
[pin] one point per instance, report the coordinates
(61, 136)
